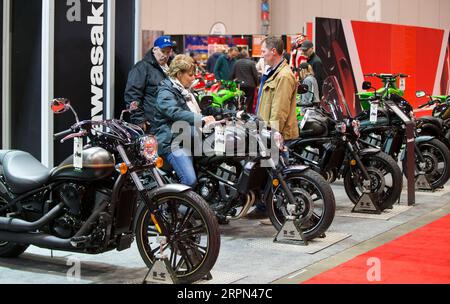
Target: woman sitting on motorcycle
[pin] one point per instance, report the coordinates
(175, 103)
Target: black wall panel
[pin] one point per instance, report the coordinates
(26, 26)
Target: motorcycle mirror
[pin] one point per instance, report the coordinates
(60, 105)
(367, 85)
(420, 94)
(134, 106)
(303, 89)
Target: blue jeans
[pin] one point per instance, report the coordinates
(183, 166)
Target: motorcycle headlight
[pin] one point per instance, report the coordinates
(356, 127)
(278, 140)
(149, 148)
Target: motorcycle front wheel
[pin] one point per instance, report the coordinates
(386, 180)
(315, 203)
(436, 162)
(194, 242)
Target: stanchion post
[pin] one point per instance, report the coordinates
(410, 162)
(410, 152)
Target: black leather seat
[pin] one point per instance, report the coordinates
(433, 120)
(22, 171)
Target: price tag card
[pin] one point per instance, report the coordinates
(305, 118)
(78, 153)
(373, 113)
(402, 85)
(219, 140)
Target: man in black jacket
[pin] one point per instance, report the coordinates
(244, 71)
(143, 81)
(307, 49)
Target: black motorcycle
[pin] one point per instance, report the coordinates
(437, 125)
(88, 204)
(233, 177)
(389, 133)
(328, 143)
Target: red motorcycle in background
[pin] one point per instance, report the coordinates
(297, 57)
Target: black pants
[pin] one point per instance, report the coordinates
(250, 98)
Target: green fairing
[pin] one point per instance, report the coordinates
(224, 95)
(364, 96)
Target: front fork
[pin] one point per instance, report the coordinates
(359, 163)
(154, 212)
(276, 172)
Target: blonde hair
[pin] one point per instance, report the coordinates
(305, 72)
(181, 64)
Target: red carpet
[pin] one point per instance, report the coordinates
(419, 257)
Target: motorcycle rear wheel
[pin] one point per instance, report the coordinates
(8, 249)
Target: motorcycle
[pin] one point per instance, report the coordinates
(390, 87)
(441, 103)
(437, 125)
(88, 204)
(231, 182)
(328, 143)
(389, 133)
(220, 94)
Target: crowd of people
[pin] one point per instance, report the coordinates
(160, 84)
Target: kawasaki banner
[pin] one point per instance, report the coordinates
(80, 63)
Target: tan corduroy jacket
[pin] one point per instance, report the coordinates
(278, 102)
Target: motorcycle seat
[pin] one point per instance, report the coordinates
(433, 120)
(22, 171)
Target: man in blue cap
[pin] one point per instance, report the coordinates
(144, 79)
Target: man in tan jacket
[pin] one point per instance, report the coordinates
(277, 94)
(276, 101)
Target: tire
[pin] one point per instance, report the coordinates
(389, 197)
(317, 185)
(8, 249)
(439, 178)
(201, 212)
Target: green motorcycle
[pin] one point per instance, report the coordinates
(441, 103)
(389, 87)
(223, 94)
(381, 127)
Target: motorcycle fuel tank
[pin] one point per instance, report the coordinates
(97, 164)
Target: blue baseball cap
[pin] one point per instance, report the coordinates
(163, 42)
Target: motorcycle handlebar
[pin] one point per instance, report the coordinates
(62, 134)
(426, 105)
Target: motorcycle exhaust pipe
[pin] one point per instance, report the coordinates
(18, 225)
(36, 239)
(251, 198)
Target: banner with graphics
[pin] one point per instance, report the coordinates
(80, 63)
(350, 49)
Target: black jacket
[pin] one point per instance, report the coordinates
(244, 70)
(171, 107)
(142, 86)
(319, 71)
